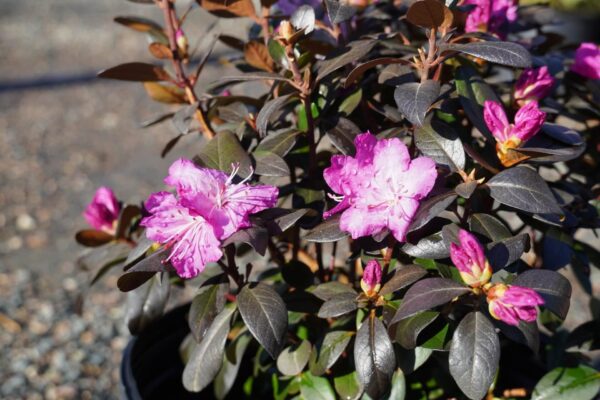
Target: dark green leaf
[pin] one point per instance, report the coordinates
(374, 357)
(337, 305)
(293, 359)
(414, 99)
(207, 356)
(270, 164)
(473, 92)
(401, 277)
(488, 226)
(207, 304)
(426, 294)
(143, 270)
(351, 53)
(147, 303)
(223, 152)
(334, 344)
(440, 142)
(314, 387)
(524, 189)
(280, 143)
(347, 386)
(398, 391)
(554, 288)
(338, 11)
(226, 377)
(562, 383)
(93, 237)
(327, 231)
(135, 71)
(342, 135)
(265, 314)
(350, 103)
(474, 355)
(407, 330)
(270, 107)
(431, 208)
(277, 53)
(505, 53)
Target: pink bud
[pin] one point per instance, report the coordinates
(181, 40)
(512, 304)
(533, 84)
(470, 260)
(104, 210)
(371, 277)
(528, 121)
(587, 61)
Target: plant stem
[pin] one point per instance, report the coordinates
(387, 258)
(171, 22)
(431, 52)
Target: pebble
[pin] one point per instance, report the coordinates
(25, 222)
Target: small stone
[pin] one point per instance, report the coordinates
(12, 244)
(25, 222)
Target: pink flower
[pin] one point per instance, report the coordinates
(512, 304)
(491, 16)
(103, 211)
(587, 61)
(208, 208)
(371, 279)
(533, 84)
(528, 121)
(470, 260)
(380, 188)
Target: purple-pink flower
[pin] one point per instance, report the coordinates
(587, 61)
(512, 304)
(533, 84)
(528, 121)
(371, 279)
(380, 187)
(470, 260)
(207, 209)
(492, 16)
(103, 211)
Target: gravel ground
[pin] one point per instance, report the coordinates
(63, 134)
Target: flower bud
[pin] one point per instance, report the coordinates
(470, 260)
(286, 30)
(182, 42)
(533, 84)
(371, 280)
(587, 61)
(103, 211)
(512, 304)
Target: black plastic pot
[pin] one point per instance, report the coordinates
(151, 367)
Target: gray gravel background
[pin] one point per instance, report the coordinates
(63, 134)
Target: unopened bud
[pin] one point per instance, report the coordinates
(469, 258)
(371, 280)
(181, 40)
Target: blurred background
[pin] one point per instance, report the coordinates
(63, 133)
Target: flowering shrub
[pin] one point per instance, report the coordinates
(388, 217)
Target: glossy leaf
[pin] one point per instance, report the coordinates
(206, 305)
(207, 356)
(338, 11)
(135, 71)
(524, 189)
(314, 387)
(401, 277)
(227, 375)
(342, 135)
(222, 152)
(564, 383)
(554, 288)
(93, 237)
(265, 314)
(352, 53)
(398, 391)
(144, 25)
(270, 164)
(506, 251)
(408, 330)
(505, 53)
(488, 226)
(431, 208)
(280, 143)
(334, 344)
(184, 117)
(347, 386)
(293, 359)
(337, 305)
(142, 271)
(328, 290)
(432, 247)
(414, 99)
(374, 357)
(360, 69)
(426, 13)
(440, 142)
(147, 303)
(165, 93)
(474, 355)
(428, 293)
(327, 231)
(473, 91)
(270, 107)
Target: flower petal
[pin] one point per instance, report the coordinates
(401, 216)
(361, 222)
(420, 177)
(528, 121)
(495, 119)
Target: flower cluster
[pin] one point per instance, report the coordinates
(528, 121)
(208, 208)
(491, 16)
(587, 61)
(507, 303)
(103, 211)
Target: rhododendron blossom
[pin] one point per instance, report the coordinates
(103, 211)
(371, 279)
(208, 208)
(470, 260)
(533, 84)
(380, 187)
(587, 61)
(512, 304)
(528, 121)
(491, 16)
